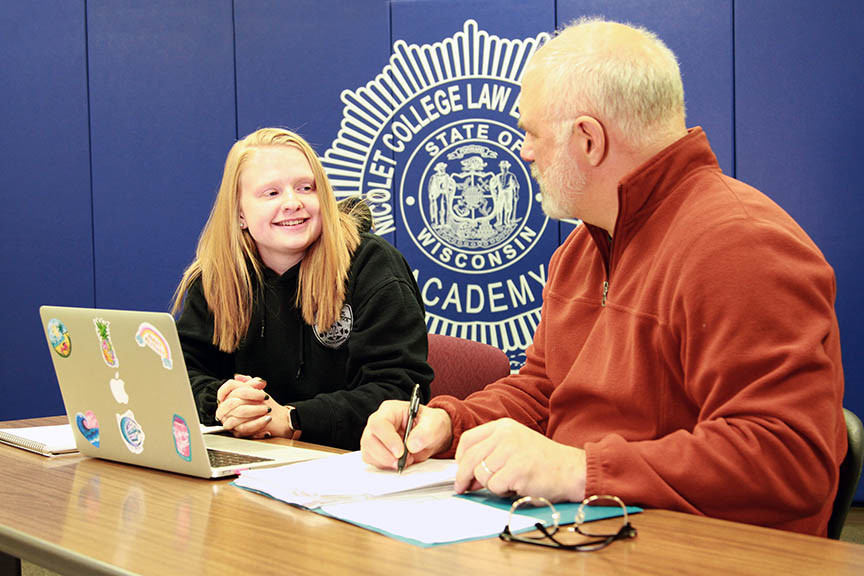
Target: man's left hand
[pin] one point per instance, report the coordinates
(508, 458)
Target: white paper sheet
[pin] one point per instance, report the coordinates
(430, 516)
(342, 478)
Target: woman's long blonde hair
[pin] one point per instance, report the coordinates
(225, 251)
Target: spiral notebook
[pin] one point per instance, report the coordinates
(45, 440)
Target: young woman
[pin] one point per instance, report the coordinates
(294, 318)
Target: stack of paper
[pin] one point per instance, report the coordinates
(418, 506)
(343, 478)
(44, 440)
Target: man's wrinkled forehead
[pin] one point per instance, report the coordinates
(532, 82)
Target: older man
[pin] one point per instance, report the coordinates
(688, 355)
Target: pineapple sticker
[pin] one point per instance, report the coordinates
(104, 334)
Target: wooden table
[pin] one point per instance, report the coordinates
(77, 515)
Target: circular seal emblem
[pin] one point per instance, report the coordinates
(466, 198)
(339, 332)
(432, 146)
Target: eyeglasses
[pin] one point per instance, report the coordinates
(595, 540)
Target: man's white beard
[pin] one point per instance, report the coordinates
(559, 185)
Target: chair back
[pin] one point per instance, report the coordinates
(464, 366)
(850, 474)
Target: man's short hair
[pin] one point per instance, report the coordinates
(637, 86)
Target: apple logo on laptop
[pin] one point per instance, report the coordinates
(118, 388)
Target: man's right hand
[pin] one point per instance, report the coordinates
(381, 443)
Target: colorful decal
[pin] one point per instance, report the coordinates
(88, 425)
(181, 438)
(148, 335)
(58, 337)
(132, 433)
(118, 389)
(104, 334)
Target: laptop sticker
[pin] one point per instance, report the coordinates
(133, 435)
(88, 426)
(118, 389)
(108, 354)
(58, 337)
(181, 438)
(148, 335)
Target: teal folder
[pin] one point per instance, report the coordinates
(544, 514)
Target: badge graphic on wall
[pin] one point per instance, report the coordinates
(58, 337)
(133, 435)
(431, 145)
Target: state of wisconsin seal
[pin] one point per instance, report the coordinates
(431, 144)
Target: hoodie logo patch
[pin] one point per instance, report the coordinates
(339, 332)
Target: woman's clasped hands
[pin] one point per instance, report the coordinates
(244, 408)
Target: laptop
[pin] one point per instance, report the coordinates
(128, 397)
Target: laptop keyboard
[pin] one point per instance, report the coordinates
(220, 458)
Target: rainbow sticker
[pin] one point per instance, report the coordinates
(181, 438)
(133, 435)
(148, 335)
(58, 337)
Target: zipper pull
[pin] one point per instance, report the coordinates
(605, 292)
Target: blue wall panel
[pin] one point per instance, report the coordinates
(430, 21)
(799, 117)
(295, 58)
(45, 224)
(162, 117)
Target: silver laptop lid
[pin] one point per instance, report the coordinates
(125, 387)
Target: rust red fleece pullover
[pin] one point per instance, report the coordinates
(710, 382)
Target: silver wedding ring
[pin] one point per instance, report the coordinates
(486, 468)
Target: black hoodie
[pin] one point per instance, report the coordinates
(376, 352)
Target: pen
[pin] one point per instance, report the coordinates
(412, 412)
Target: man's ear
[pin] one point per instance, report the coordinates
(590, 138)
